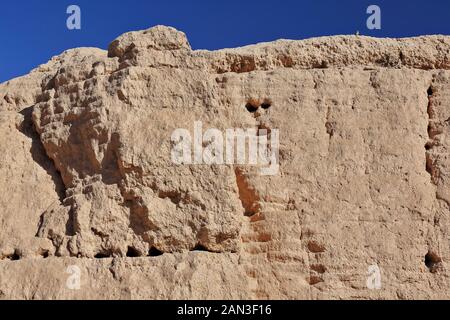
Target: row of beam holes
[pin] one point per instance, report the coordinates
(17, 255)
(132, 253)
(432, 261)
(153, 252)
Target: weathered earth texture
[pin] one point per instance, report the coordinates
(87, 180)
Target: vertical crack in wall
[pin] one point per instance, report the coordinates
(247, 194)
(330, 127)
(254, 236)
(433, 130)
(41, 158)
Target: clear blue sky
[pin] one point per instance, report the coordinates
(33, 31)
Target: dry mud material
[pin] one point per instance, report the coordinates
(92, 205)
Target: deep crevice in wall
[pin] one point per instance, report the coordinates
(39, 154)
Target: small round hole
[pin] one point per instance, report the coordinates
(432, 261)
(266, 105)
(15, 256)
(251, 108)
(44, 253)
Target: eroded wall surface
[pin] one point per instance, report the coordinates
(87, 178)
